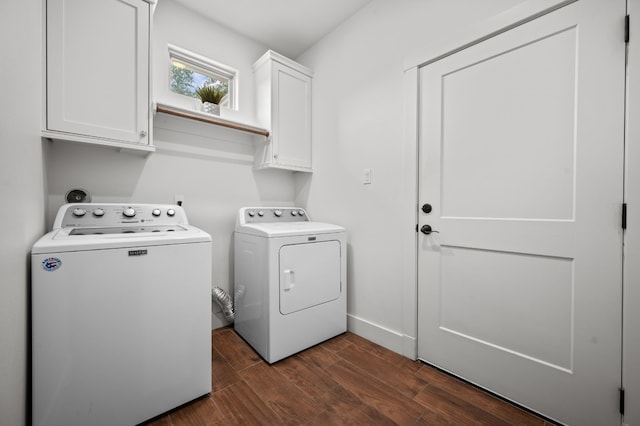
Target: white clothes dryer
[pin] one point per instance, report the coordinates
(290, 280)
(121, 315)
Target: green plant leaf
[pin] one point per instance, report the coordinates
(211, 93)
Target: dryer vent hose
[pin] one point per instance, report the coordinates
(224, 301)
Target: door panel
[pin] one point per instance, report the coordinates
(521, 150)
(475, 284)
(534, 79)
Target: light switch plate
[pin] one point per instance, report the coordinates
(366, 176)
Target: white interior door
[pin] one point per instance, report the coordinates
(521, 159)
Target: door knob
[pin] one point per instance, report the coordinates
(427, 208)
(426, 229)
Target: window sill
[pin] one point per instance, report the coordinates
(208, 118)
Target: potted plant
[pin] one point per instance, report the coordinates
(211, 95)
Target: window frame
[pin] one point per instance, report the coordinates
(205, 66)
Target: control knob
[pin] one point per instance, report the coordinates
(156, 212)
(171, 212)
(260, 213)
(98, 212)
(294, 213)
(278, 213)
(129, 212)
(78, 212)
(251, 213)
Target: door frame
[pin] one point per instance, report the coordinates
(631, 270)
(410, 202)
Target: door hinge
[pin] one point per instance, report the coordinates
(624, 215)
(626, 29)
(621, 400)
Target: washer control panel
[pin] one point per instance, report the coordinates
(272, 214)
(111, 214)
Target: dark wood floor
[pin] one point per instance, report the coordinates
(344, 381)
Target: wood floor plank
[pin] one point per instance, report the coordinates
(279, 394)
(240, 405)
(433, 418)
(384, 353)
(456, 408)
(328, 393)
(356, 417)
(357, 412)
(312, 380)
(378, 395)
(399, 379)
(202, 412)
(222, 373)
(337, 343)
(235, 350)
(319, 356)
(478, 397)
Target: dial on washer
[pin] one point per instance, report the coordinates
(129, 212)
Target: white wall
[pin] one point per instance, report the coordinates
(21, 190)
(211, 166)
(357, 124)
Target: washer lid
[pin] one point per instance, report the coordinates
(287, 229)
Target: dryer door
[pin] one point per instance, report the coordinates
(309, 275)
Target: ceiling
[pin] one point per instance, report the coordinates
(287, 26)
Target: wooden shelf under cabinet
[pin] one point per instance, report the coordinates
(209, 119)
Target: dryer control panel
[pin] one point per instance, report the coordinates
(248, 215)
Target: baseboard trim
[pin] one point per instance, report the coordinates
(392, 340)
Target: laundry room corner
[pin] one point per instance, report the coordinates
(364, 129)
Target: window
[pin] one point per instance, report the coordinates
(190, 71)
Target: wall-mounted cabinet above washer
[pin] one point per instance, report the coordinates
(283, 105)
(97, 72)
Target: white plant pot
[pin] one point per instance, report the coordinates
(210, 108)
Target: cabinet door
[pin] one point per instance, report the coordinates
(291, 117)
(98, 69)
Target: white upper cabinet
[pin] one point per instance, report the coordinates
(97, 78)
(283, 105)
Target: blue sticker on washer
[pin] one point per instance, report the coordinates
(51, 264)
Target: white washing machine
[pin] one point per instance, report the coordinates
(121, 315)
(290, 280)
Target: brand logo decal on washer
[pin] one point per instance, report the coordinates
(51, 264)
(137, 252)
